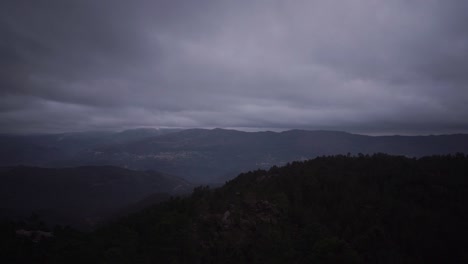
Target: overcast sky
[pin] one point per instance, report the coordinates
(368, 66)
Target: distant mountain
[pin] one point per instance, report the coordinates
(80, 196)
(217, 155)
(64, 149)
(209, 156)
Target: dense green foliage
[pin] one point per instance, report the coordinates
(340, 209)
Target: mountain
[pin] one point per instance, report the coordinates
(81, 196)
(214, 156)
(63, 149)
(337, 209)
(209, 156)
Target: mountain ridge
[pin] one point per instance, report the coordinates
(238, 150)
(212, 156)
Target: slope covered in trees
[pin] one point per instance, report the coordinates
(81, 196)
(337, 209)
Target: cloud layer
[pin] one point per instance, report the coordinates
(359, 65)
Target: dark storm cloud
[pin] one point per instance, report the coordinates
(359, 65)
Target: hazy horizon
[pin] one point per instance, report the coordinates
(249, 130)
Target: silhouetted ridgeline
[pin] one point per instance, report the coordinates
(339, 209)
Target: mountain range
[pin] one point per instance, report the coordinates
(211, 156)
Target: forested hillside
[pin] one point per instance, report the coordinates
(81, 196)
(337, 209)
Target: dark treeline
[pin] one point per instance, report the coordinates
(337, 209)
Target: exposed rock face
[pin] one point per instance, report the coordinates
(226, 221)
(238, 226)
(34, 235)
